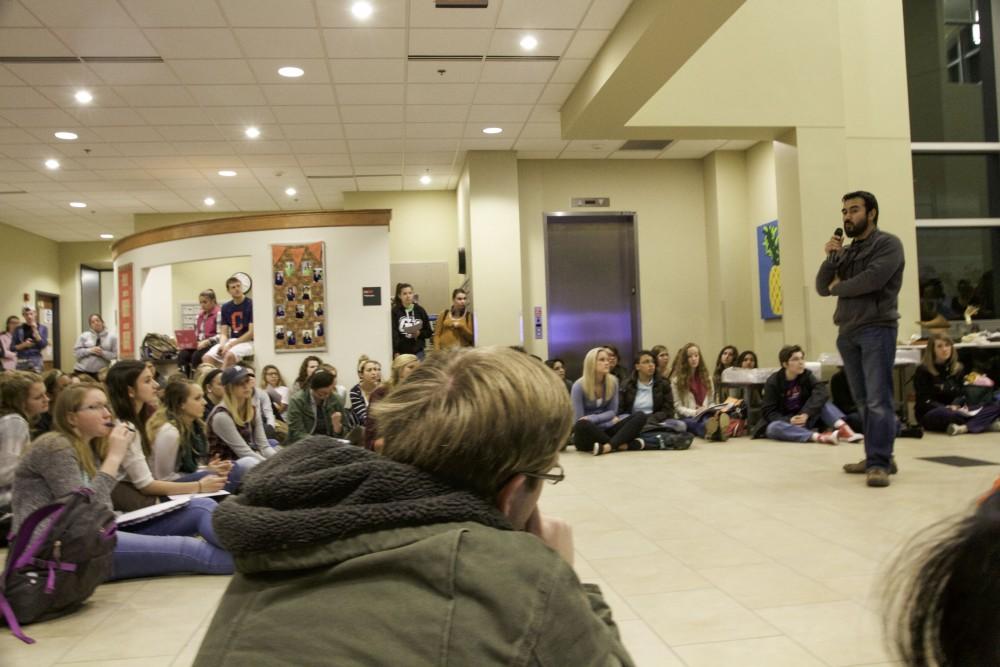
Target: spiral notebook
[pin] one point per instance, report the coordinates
(151, 512)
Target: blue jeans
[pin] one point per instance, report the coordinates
(782, 430)
(868, 354)
(240, 468)
(164, 545)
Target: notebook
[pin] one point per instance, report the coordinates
(186, 339)
(147, 513)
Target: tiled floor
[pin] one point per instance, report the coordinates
(741, 553)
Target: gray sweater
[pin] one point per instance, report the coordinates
(14, 438)
(871, 273)
(48, 471)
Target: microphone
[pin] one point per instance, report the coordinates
(839, 233)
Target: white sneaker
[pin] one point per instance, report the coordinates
(957, 429)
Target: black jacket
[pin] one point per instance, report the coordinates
(814, 397)
(663, 398)
(403, 344)
(935, 391)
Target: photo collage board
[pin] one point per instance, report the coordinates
(298, 281)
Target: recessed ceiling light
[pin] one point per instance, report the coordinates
(291, 192)
(84, 97)
(252, 132)
(209, 201)
(77, 204)
(291, 72)
(107, 236)
(528, 43)
(492, 130)
(52, 164)
(66, 136)
(425, 179)
(362, 10)
(227, 172)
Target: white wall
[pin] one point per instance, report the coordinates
(356, 257)
(157, 286)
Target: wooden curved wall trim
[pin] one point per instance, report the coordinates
(253, 223)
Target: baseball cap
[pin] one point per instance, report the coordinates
(235, 374)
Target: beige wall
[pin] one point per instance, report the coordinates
(97, 255)
(30, 263)
(190, 278)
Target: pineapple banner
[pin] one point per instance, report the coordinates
(769, 268)
(299, 288)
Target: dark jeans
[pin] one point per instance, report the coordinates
(585, 433)
(188, 360)
(937, 419)
(868, 354)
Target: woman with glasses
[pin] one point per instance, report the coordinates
(87, 449)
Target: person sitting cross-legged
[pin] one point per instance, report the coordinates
(795, 402)
(599, 429)
(941, 402)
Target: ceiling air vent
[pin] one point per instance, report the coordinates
(57, 60)
(461, 4)
(646, 144)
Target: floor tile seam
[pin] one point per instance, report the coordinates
(788, 637)
(813, 580)
(113, 660)
(723, 641)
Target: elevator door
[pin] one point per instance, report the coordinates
(593, 289)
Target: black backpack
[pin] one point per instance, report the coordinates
(158, 347)
(50, 573)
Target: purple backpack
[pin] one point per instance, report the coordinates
(50, 573)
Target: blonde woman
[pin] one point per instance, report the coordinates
(87, 449)
(939, 385)
(369, 378)
(598, 428)
(235, 426)
(693, 391)
(402, 366)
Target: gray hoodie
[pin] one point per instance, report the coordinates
(870, 272)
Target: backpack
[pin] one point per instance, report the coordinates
(50, 573)
(158, 347)
(666, 439)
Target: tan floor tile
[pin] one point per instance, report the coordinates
(768, 585)
(645, 647)
(840, 633)
(613, 544)
(719, 551)
(620, 609)
(654, 573)
(139, 633)
(15, 653)
(162, 661)
(694, 617)
(78, 624)
(764, 652)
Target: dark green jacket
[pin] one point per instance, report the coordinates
(301, 415)
(360, 565)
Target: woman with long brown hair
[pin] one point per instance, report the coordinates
(693, 391)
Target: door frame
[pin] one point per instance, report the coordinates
(54, 328)
(637, 324)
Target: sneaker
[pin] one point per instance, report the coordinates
(828, 438)
(995, 426)
(877, 477)
(957, 429)
(712, 427)
(723, 433)
(859, 467)
(598, 449)
(847, 434)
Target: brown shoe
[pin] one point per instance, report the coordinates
(859, 467)
(723, 433)
(712, 427)
(877, 477)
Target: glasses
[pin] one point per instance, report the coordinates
(99, 407)
(553, 476)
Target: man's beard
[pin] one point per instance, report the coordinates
(856, 229)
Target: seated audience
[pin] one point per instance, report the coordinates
(941, 400)
(55, 381)
(95, 349)
(370, 377)
(235, 328)
(274, 384)
(87, 449)
(22, 400)
(598, 428)
(211, 385)
(614, 359)
(559, 367)
(317, 410)
(748, 359)
(7, 343)
(206, 332)
(306, 369)
(795, 403)
(235, 425)
(180, 443)
(693, 391)
(132, 392)
(662, 356)
(29, 340)
(453, 495)
(402, 367)
(454, 327)
(840, 394)
(648, 393)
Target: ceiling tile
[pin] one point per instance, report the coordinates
(220, 71)
(604, 15)
(738, 145)
(534, 14)
(393, 169)
(46, 135)
(373, 131)
(542, 131)
(16, 16)
(586, 43)
(387, 14)
(463, 42)
(300, 94)
(363, 113)
(145, 149)
(62, 74)
(79, 13)
(294, 115)
(366, 183)
(440, 93)
(221, 96)
(160, 96)
(314, 131)
(496, 113)
(97, 117)
(369, 94)
(430, 145)
(570, 71)
(487, 144)
(30, 42)
(634, 155)
(203, 148)
(262, 147)
(241, 115)
(434, 130)
(431, 113)
(513, 93)
(128, 133)
(266, 70)
(369, 70)
(106, 41)
(550, 42)
(90, 150)
(280, 42)
(556, 93)
(475, 131)
(195, 43)
(374, 146)
(319, 147)
(134, 73)
(539, 145)
(267, 13)
(104, 96)
(22, 97)
(270, 160)
(161, 162)
(365, 43)
(430, 71)
(175, 13)
(517, 72)
(7, 78)
(181, 116)
(316, 164)
(430, 157)
(593, 145)
(100, 163)
(583, 155)
(423, 14)
(545, 113)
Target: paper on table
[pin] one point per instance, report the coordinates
(147, 513)
(189, 496)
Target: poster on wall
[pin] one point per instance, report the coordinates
(769, 270)
(298, 282)
(126, 318)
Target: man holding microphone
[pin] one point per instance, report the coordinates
(865, 277)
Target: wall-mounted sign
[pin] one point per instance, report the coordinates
(371, 296)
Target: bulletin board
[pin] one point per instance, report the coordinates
(298, 280)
